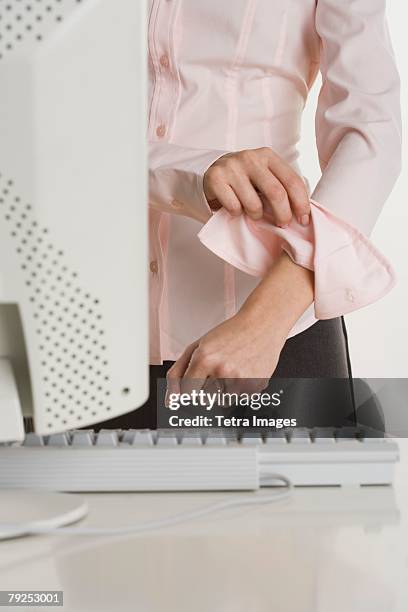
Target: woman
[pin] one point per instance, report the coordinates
(251, 273)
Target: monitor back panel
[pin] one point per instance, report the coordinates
(73, 193)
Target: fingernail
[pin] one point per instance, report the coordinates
(284, 226)
(304, 220)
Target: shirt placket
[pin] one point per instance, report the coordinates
(162, 42)
(161, 121)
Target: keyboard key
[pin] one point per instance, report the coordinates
(107, 437)
(191, 441)
(166, 440)
(372, 435)
(323, 435)
(128, 436)
(33, 439)
(83, 437)
(143, 437)
(59, 439)
(348, 433)
(322, 440)
(299, 435)
(275, 438)
(248, 440)
(215, 441)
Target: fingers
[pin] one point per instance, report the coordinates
(274, 194)
(236, 195)
(202, 367)
(294, 187)
(189, 373)
(206, 372)
(177, 371)
(218, 190)
(247, 195)
(248, 180)
(197, 372)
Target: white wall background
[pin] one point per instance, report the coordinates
(378, 334)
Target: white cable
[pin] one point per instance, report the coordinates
(161, 523)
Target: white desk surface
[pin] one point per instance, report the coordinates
(324, 550)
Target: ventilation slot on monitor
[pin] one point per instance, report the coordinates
(67, 319)
(23, 21)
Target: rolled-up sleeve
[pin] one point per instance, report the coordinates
(358, 131)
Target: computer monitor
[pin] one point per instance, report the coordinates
(73, 212)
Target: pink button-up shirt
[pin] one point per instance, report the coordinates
(228, 75)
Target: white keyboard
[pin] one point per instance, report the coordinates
(143, 460)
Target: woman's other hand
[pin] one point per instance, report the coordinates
(257, 181)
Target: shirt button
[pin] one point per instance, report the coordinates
(164, 61)
(176, 204)
(350, 295)
(161, 131)
(154, 267)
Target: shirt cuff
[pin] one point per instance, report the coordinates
(206, 161)
(176, 181)
(349, 272)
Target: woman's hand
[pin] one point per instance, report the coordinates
(257, 181)
(241, 353)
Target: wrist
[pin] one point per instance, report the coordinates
(273, 323)
(280, 299)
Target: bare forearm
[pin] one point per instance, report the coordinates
(248, 345)
(281, 298)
